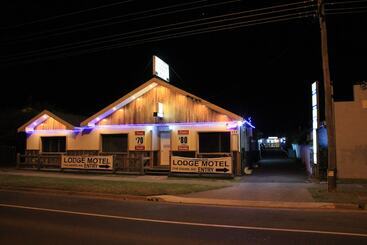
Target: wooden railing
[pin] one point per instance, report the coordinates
(38, 161)
(122, 163)
(129, 164)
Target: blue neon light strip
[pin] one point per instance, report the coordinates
(249, 124)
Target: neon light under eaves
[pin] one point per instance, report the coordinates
(233, 125)
(147, 126)
(198, 124)
(249, 124)
(53, 131)
(37, 122)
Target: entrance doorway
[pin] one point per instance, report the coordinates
(165, 148)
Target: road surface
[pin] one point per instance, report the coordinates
(31, 218)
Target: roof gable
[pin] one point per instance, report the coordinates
(45, 116)
(145, 88)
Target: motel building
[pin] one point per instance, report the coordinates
(156, 128)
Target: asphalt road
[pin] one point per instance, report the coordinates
(30, 218)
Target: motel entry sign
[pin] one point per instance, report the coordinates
(87, 162)
(222, 165)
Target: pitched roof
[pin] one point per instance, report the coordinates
(73, 119)
(70, 121)
(142, 89)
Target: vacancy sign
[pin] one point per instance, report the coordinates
(222, 165)
(139, 140)
(183, 140)
(160, 68)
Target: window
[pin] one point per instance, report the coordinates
(114, 143)
(53, 144)
(212, 142)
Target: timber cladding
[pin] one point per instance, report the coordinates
(50, 124)
(177, 108)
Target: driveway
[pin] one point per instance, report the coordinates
(278, 179)
(278, 170)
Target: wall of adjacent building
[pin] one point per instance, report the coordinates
(351, 136)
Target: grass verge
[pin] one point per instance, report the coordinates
(103, 186)
(340, 196)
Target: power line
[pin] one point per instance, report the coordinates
(108, 47)
(145, 17)
(346, 2)
(146, 31)
(345, 12)
(86, 45)
(129, 34)
(33, 36)
(349, 8)
(64, 15)
(187, 33)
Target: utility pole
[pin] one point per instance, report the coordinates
(329, 113)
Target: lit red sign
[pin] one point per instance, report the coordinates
(140, 140)
(183, 132)
(139, 147)
(183, 147)
(183, 140)
(139, 132)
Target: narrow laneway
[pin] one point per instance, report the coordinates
(275, 166)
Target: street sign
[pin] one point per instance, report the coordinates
(222, 165)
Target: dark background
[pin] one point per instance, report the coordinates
(262, 71)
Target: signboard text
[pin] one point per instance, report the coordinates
(87, 162)
(222, 165)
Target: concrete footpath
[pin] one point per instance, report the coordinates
(264, 195)
(238, 193)
(251, 203)
(281, 192)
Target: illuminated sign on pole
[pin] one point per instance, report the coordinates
(315, 120)
(160, 68)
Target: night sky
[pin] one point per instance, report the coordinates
(264, 71)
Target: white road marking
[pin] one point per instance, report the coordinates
(185, 223)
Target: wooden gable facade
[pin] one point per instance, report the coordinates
(178, 107)
(46, 121)
(51, 124)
